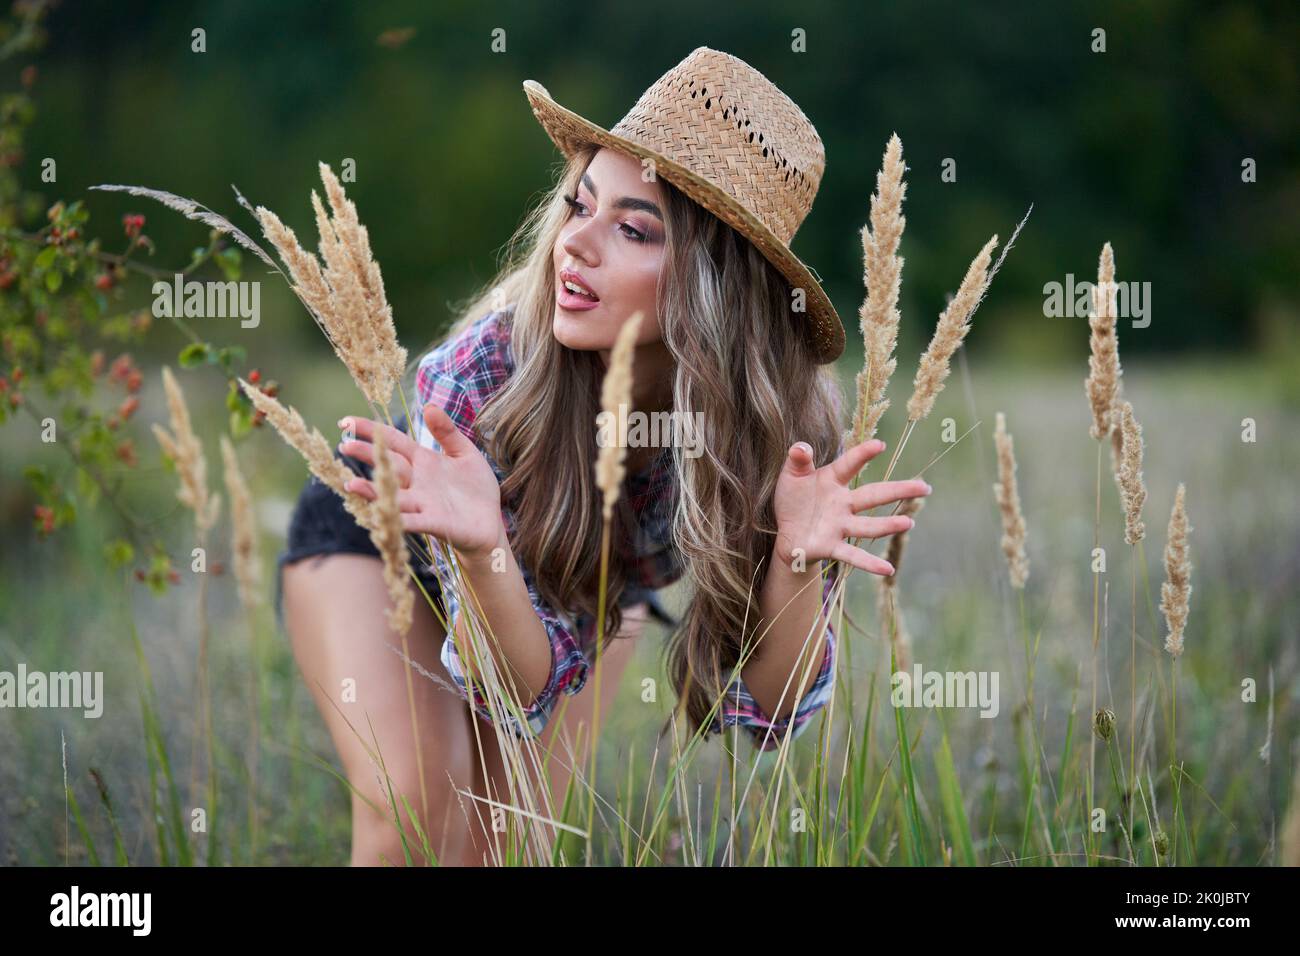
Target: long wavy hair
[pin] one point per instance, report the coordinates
(742, 360)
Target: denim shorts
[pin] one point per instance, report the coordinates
(321, 526)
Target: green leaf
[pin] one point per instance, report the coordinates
(241, 423)
(950, 798)
(53, 280)
(232, 353)
(87, 490)
(39, 479)
(196, 353)
(45, 258)
(229, 261)
(234, 401)
(119, 553)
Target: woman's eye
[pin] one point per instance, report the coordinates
(633, 234)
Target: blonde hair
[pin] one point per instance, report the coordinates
(743, 361)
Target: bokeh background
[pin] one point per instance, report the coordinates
(1141, 146)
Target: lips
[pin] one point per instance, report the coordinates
(568, 275)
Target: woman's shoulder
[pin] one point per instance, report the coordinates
(480, 346)
(468, 367)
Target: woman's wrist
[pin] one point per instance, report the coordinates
(481, 558)
(786, 555)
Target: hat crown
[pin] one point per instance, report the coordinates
(720, 118)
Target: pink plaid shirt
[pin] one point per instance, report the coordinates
(461, 375)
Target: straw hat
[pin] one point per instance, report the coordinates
(723, 134)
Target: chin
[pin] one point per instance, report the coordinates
(570, 332)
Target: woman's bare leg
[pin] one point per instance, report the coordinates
(565, 741)
(334, 613)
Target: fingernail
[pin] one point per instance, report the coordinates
(929, 487)
(911, 523)
(345, 423)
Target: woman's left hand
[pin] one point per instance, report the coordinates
(816, 509)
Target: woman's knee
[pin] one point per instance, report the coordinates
(383, 830)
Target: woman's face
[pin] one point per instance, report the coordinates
(613, 243)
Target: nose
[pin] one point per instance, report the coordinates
(580, 243)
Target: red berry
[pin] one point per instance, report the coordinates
(174, 576)
(103, 282)
(134, 380)
(139, 574)
(18, 375)
(254, 376)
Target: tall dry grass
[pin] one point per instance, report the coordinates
(183, 448)
(927, 825)
(247, 560)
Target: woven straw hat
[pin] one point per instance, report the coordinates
(723, 134)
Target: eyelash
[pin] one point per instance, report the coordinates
(638, 236)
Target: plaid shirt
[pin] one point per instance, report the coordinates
(462, 374)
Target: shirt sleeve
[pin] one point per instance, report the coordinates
(459, 375)
(739, 707)
(569, 663)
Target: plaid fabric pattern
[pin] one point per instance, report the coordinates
(462, 374)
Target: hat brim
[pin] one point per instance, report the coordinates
(570, 132)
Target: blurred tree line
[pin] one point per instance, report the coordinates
(1141, 145)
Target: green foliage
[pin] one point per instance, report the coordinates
(63, 313)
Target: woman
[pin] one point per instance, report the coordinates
(682, 212)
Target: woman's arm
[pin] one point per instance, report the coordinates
(816, 510)
(452, 493)
(522, 652)
(791, 601)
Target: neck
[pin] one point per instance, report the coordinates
(652, 377)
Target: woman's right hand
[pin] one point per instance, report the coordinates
(453, 495)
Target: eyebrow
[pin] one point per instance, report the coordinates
(626, 202)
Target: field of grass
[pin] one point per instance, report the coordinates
(964, 789)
